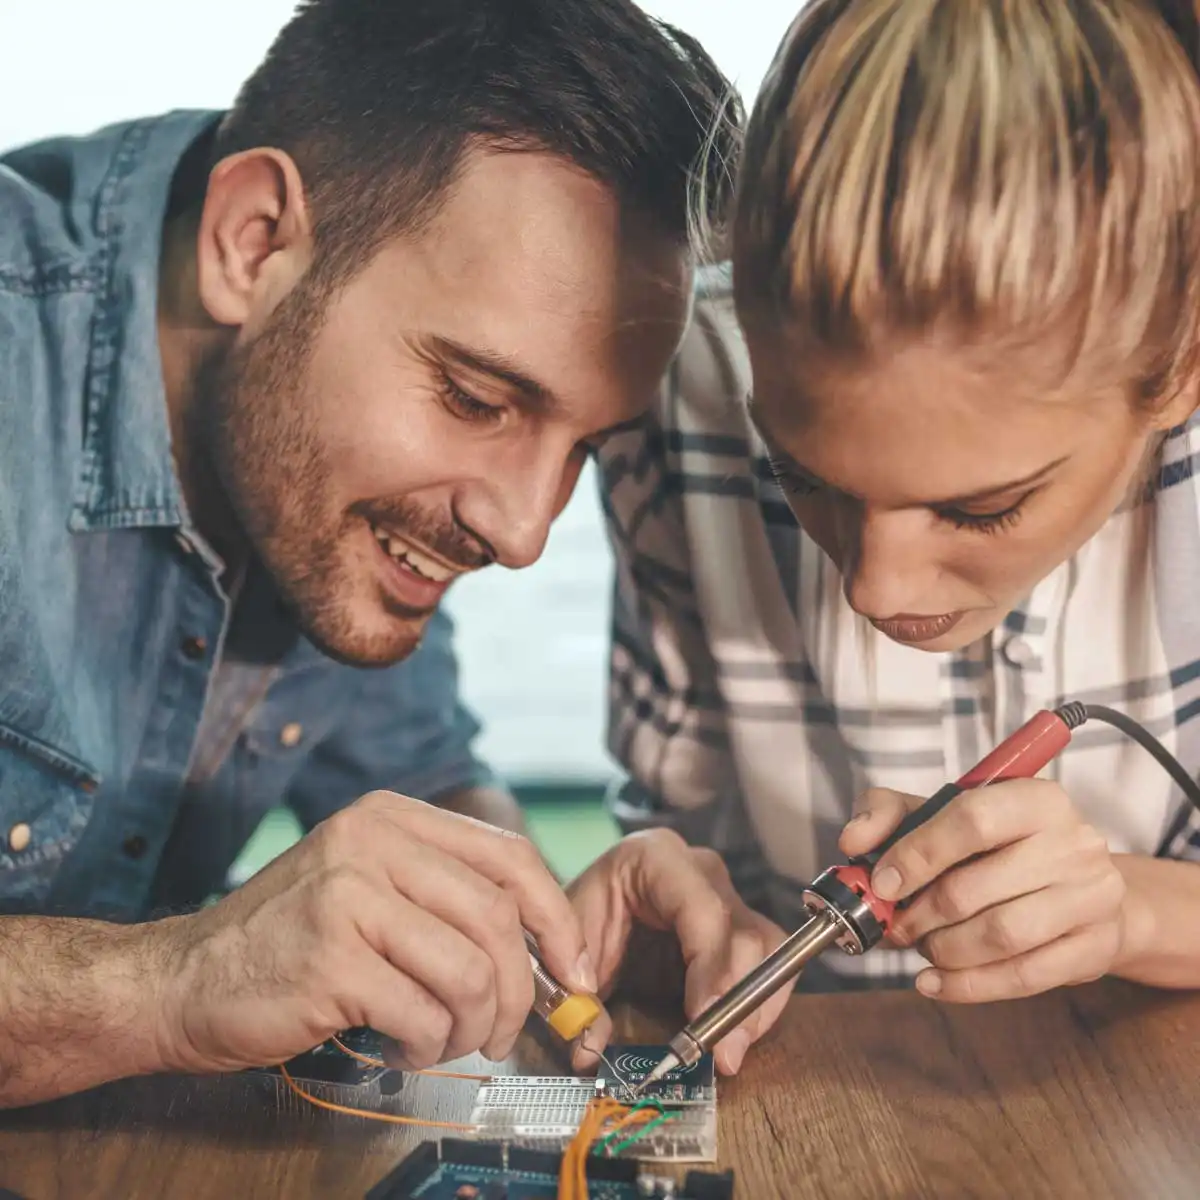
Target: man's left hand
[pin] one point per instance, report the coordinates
(1009, 891)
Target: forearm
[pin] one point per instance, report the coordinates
(492, 805)
(77, 1001)
(1161, 942)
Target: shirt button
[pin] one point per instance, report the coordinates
(193, 647)
(134, 847)
(291, 734)
(19, 837)
(1018, 652)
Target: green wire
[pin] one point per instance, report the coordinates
(603, 1147)
(645, 1129)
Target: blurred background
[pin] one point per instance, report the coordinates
(533, 643)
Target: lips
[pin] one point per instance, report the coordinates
(413, 556)
(913, 630)
(415, 579)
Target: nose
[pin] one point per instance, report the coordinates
(889, 566)
(513, 506)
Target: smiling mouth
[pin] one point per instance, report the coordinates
(417, 559)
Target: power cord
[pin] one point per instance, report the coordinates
(1074, 714)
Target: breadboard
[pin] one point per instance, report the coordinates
(544, 1111)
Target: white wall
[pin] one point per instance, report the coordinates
(533, 643)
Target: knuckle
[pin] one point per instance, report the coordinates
(978, 816)
(662, 841)
(1005, 933)
(519, 848)
(711, 865)
(953, 898)
(476, 980)
(502, 916)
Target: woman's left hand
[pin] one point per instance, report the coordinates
(1012, 892)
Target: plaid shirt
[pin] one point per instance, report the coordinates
(749, 706)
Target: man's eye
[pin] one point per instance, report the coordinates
(463, 404)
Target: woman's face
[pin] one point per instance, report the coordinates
(944, 493)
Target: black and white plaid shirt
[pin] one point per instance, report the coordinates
(747, 713)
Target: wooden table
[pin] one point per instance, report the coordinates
(1088, 1093)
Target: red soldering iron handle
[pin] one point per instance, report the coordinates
(1020, 756)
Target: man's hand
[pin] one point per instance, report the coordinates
(657, 880)
(391, 914)
(1010, 892)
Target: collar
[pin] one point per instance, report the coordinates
(123, 178)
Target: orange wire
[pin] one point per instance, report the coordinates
(378, 1062)
(366, 1114)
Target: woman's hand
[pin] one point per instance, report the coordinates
(1008, 891)
(655, 881)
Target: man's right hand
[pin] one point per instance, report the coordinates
(391, 914)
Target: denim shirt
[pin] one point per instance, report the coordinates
(146, 723)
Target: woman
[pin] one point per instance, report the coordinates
(967, 272)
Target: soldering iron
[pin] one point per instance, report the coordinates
(845, 911)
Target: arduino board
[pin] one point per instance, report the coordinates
(460, 1170)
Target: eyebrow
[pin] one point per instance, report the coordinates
(778, 454)
(499, 368)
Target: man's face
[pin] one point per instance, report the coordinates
(432, 416)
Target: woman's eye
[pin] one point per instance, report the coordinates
(984, 522)
(466, 406)
(793, 482)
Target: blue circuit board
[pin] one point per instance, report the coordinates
(461, 1170)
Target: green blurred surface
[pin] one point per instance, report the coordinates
(569, 824)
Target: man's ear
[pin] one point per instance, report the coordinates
(255, 236)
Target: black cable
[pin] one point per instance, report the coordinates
(1075, 714)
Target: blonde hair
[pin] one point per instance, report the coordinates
(986, 170)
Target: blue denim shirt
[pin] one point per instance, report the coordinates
(146, 723)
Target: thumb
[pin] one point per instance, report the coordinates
(876, 813)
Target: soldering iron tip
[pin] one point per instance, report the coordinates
(663, 1069)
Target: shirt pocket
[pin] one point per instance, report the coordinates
(46, 801)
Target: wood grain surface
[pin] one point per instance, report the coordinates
(1092, 1093)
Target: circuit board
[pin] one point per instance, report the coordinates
(544, 1111)
(459, 1170)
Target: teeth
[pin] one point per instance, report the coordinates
(412, 558)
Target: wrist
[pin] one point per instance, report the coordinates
(1139, 921)
(138, 984)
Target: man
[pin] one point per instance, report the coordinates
(270, 381)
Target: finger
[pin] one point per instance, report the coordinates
(511, 862)
(487, 915)
(877, 812)
(1013, 928)
(448, 965)
(965, 891)
(606, 923)
(1077, 958)
(415, 1025)
(974, 823)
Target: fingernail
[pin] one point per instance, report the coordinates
(859, 817)
(585, 973)
(929, 983)
(886, 883)
(735, 1049)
